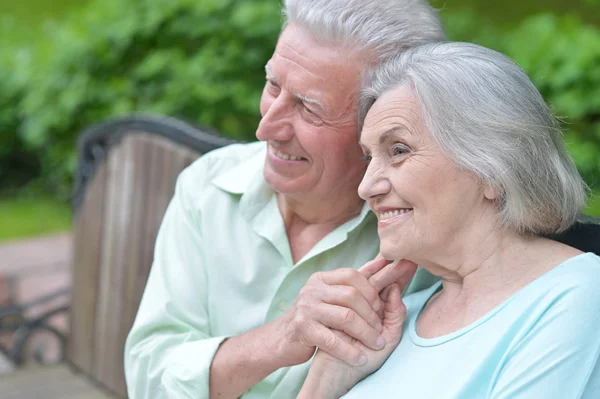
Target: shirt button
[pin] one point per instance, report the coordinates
(283, 306)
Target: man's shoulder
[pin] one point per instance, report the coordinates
(219, 162)
(223, 159)
(197, 181)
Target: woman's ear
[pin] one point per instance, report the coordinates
(490, 192)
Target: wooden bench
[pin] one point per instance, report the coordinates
(125, 179)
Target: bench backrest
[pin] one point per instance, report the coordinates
(126, 177)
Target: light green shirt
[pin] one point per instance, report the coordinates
(223, 266)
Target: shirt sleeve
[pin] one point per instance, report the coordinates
(169, 349)
(559, 356)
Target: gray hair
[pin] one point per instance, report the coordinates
(379, 28)
(484, 112)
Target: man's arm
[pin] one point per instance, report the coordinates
(169, 348)
(244, 360)
(170, 351)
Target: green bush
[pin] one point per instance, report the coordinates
(19, 164)
(199, 60)
(202, 61)
(562, 57)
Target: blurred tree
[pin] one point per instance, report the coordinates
(203, 60)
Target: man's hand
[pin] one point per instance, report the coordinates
(342, 300)
(331, 378)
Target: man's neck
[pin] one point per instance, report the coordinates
(308, 222)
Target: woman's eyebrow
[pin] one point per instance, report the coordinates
(392, 132)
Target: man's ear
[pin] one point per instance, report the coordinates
(490, 192)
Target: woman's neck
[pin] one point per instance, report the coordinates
(484, 274)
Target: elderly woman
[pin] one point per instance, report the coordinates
(467, 171)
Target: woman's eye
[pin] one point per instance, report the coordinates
(399, 150)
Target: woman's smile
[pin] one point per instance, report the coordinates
(391, 216)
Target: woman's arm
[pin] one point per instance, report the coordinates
(330, 378)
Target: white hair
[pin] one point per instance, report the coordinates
(378, 28)
(484, 112)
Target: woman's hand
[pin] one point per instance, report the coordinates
(330, 377)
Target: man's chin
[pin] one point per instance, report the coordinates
(282, 184)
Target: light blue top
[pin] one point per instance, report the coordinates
(543, 342)
(223, 266)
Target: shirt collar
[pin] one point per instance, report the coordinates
(247, 179)
(237, 180)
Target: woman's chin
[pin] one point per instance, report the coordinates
(390, 251)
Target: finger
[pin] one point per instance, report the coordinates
(405, 278)
(326, 340)
(394, 314)
(349, 297)
(384, 297)
(397, 271)
(352, 278)
(348, 321)
(373, 266)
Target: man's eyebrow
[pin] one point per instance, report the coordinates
(391, 132)
(300, 97)
(310, 100)
(269, 73)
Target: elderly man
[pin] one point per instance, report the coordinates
(254, 263)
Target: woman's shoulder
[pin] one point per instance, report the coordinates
(581, 270)
(573, 284)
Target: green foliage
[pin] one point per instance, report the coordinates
(561, 55)
(202, 61)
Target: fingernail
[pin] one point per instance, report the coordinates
(380, 342)
(379, 328)
(362, 360)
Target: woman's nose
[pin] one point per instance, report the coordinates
(374, 182)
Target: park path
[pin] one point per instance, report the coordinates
(32, 268)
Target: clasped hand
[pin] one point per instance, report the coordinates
(350, 315)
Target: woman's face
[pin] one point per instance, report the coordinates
(424, 203)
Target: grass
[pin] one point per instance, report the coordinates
(29, 217)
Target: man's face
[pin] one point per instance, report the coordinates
(309, 117)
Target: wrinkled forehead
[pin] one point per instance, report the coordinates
(303, 65)
(396, 108)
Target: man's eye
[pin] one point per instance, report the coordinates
(272, 86)
(366, 158)
(311, 117)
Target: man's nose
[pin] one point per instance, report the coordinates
(374, 183)
(276, 123)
